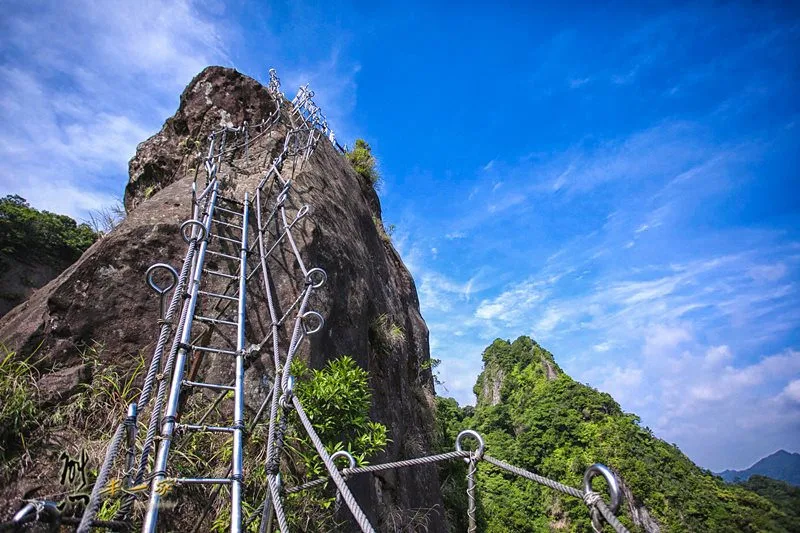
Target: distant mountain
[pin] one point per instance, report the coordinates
(781, 465)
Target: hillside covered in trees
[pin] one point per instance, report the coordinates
(35, 247)
(533, 415)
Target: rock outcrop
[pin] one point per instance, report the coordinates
(103, 298)
(20, 280)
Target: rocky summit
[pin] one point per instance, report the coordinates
(98, 320)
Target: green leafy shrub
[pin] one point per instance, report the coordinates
(363, 162)
(29, 234)
(337, 400)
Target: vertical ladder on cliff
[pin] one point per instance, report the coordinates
(214, 219)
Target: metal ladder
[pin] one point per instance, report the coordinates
(207, 231)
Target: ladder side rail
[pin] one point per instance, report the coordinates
(238, 424)
(168, 422)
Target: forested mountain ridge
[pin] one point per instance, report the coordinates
(35, 247)
(533, 415)
(781, 465)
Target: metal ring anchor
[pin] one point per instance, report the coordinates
(343, 453)
(303, 211)
(288, 391)
(320, 322)
(162, 291)
(321, 276)
(188, 224)
(475, 435)
(613, 484)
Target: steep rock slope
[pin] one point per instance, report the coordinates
(103, 298)
(535, 416)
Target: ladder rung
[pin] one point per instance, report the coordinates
(220, 237)
(225, 223)
(231, 200)
(187, 383)
(215, 320)
(220, 274)
(223, 296)
(218, 208)
(210, 429)
(212, 252)
(213, 350)
(202, 481)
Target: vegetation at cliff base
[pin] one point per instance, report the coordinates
(364, 162)
(28, 234)
(18, 407)
(534, 416)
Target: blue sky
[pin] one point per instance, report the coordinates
(618, 182)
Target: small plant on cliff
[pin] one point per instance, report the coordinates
(18, 410)
(384, 232)
(104, 219)
(363, 162)
(385, 335)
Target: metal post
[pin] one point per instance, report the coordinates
(168, 422)
(472, 465)
(238, 410)
(130, 459)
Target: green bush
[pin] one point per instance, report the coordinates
(363, 162)
(337, 400)
(29, 234)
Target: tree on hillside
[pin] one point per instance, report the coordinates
(363, 162)
(28, 234)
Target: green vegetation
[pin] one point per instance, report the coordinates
(533, 415)
(363, 162)
(99, 406)
(337, 400)
(785, 497)
(18, 409)
(28, 234)
(385, 335)
(384, 232)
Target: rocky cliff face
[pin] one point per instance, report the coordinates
(103, 297)
(19, 280)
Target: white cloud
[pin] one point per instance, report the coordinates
(80, 100)
(792, 391)
(768, 272)
(333, 80)
(661, 338)
(718, 354)
(578, 82)
(513, 305)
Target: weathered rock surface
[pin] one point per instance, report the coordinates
(103, 298)
(19, 280)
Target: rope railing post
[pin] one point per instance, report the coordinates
(472, 467)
